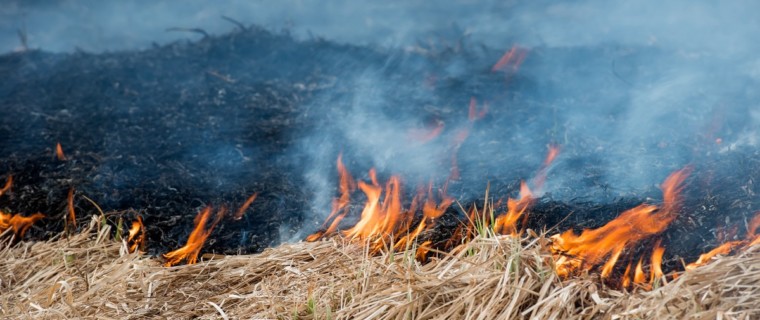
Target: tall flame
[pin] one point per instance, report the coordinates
(378, 219)
(191, 249)
(574, 253)
(383, 222)
(340, 207)
(72, 218)
(656, 261)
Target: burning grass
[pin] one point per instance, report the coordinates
(89, 275)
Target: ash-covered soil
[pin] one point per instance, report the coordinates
(166, 131)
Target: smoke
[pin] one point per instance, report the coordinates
(631, 90)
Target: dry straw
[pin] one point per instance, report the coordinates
(91, 276)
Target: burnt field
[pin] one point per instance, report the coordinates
(166, 131)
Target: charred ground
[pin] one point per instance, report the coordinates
(169, 130)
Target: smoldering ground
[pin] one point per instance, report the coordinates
(630, 92)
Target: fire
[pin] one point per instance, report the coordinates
(377, 219)
(507, 222)
(340, 205)
(473, 113)
(639, 276)
(191, 249)
(72, 218)
(463, 133)
(8, 185)
(59, 152)
(514, 58)
(136, 238)
(603, 246)
(18, 224)
(430, 211)
(383, 222)
(752, 235)
(516, 214)
(428, 134)
(723, 249)
(656, 260)
(751, 239)
(244, 207)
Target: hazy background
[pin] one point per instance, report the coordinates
(63, 25)
(640, 81)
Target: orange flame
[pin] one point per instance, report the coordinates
(463, 133)
(426, 135)
(383, 219)
(473, 113)
(423, 250)
(626, 276)
(638, 276)
(583, 252)
(59, 152)
(244, 207)
(197, 238)
(723, 249)
(514, 58)
(377, 219)
(340, 205)
(656, 261)
(17, 223)
(751, 239)
(72, 219)
(136, 238)
(8, 185)
(430, 211)
(506, 223)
